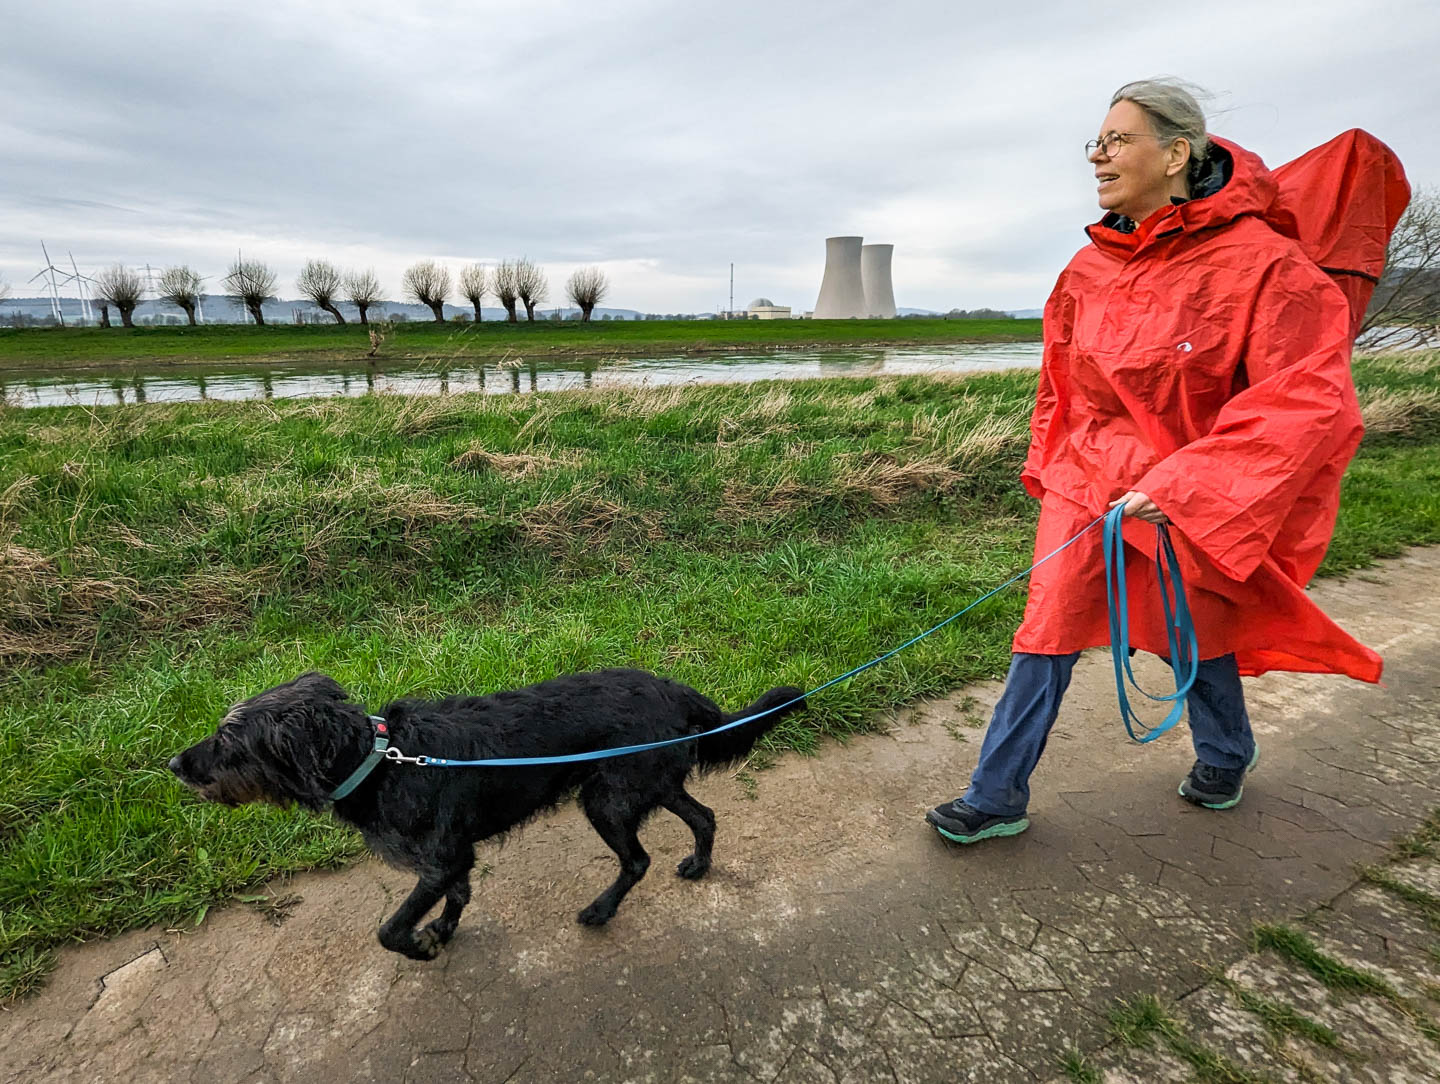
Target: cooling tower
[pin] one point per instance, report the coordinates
(875, 274)
(842, 291)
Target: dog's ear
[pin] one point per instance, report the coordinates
(321, 685)
(303, 738)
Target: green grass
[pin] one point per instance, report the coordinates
(1282, 1020)
(1077, 1067)
(158, 563)
(52, 348)
(1427, 902)
(1423, 842)
(1135, 1022)
(1297, 947)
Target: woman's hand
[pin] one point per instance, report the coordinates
(1141, 507)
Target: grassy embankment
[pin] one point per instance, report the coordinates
(160, 562)
(37, 349)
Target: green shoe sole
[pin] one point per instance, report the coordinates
(1008, 828)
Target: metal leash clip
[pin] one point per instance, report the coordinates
(393, 753)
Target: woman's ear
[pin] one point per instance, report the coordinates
(1179, 155)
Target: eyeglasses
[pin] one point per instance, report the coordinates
(1112, 143)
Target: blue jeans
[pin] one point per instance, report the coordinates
(1219, 726)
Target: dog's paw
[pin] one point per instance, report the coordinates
(440, 930)
(692, 867)
(596, 914)
(427, 944)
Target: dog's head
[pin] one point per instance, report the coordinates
(292, 744)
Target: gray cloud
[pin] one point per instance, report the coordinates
(663, 140)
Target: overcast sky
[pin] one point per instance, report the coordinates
(660, 139)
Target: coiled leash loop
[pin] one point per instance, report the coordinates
(1179, 626)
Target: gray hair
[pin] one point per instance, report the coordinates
(1174, 113)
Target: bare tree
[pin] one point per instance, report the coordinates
(362, 289)
(180, 286)
(122, 287)
(4, 289)
(251, 283)
(531, 285)
(321, 283)
(428, 283)
(1405, 310)
(474, 285)
(505, 285)
(587, 288)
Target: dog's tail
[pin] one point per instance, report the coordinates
(733, 744)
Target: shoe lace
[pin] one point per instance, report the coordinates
(1209, 774)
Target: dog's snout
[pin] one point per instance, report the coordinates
(175, 764)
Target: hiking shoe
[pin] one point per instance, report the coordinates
(1216, 788)
(961, 823)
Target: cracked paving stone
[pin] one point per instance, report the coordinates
(713, 1064)
(438, 1069)
(236, 1050)
(122, 992)
(924, 1060)
(946, 1013)
(1021, 966)
(1095, 979)
(804, 1068)
(1214, 1019)
(1401, 925)
(1390, 1047)
(1030, 1027)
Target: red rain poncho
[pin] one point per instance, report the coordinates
(1204, 359)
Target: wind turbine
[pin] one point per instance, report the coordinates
(48, 273)
(86, 314)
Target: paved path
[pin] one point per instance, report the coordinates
(838, 938)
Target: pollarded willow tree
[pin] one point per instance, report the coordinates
(251, 283)
(587, 287)
(180, 286)
(362, 289)
(428, 283)
(503, 285)
(531, 285)
(474, 285)
(122, 287)
(321, 282)
(1405, 310)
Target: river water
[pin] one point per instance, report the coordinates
(298, 380)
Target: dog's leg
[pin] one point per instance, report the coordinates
(453, 882)
(617, 828)
(439, 930)
(701, 820)
(398, 932)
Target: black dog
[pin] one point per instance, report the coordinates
(296, 743)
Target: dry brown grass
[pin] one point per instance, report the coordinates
(1396, 411)
(583, 517)
(478, 460)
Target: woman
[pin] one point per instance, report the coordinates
(1196, 371)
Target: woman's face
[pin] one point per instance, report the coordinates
(1142, 173)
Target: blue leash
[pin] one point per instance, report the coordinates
(1119, 646)
(1179, 626)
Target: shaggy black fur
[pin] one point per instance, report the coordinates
(297, 742)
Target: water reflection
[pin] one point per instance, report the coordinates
(293, 381)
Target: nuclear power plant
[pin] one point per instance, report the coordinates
(857, 282)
